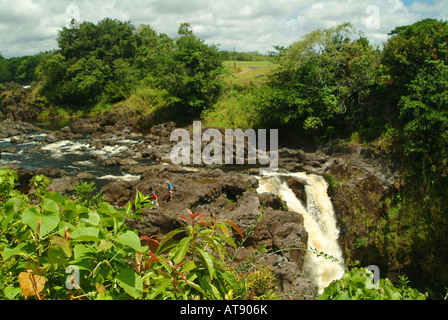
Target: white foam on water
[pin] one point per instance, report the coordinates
(110, 150)
(125, 177)
(86, 163)
(60, 148)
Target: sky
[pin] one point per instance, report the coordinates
(28, 27)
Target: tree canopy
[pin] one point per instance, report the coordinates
(109, 59)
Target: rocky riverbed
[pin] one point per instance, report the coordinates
(141, 162)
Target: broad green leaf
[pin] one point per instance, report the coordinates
(94, 218)
(343, 296)
(12, 292)
(64, 244)
(208, 260)
(48, 220)
(50, 205)
(72, 210)
(167, 238)
(86, 234)
(56, 197)
(17, 251)
(181, 250)
(130, 239)
(82, 265)
(110, 211)
(12, 207)
(57, 257)
(159, 288)
(104, 245)
(104, 296)
(131, 282)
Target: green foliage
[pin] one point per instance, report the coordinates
(194, 69)
(58, 248)
(86, 195)
(109, 60)
(21, 70)
(256, 283)
(7, 180)
(357, 284)
(321, 81)
(410, 48)
(424, 113)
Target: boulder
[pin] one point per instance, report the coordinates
(119, 162)
(51, 172)
(118, 192)
(63, 184)
(84, 126)
(84, 176)
(9, 150)
(10, 128)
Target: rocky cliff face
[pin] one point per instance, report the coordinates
(19, 104)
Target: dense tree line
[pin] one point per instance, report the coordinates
(107, 60)
(245, 56)
(19, 69)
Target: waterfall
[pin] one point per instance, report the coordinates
(319, 221)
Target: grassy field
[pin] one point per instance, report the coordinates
(247, 71)
(234, 109)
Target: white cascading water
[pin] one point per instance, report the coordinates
(319, 221)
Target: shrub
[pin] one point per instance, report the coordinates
(357, 284)
(57, 248)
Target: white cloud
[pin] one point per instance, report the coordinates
(30, 26)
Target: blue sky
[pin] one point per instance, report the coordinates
(407, 3)
(30, 26)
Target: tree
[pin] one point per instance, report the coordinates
(4, 74)
(322, 81)
(51, 72)
(408, 49)
(416, 57)
(152, 53)
(93, 62)
(192, 73)
(86, 79)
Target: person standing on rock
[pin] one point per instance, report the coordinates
(170, 190)
(154, 199)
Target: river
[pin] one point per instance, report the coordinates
(72, 156)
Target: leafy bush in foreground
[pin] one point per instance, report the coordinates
(53, 247)
(357, 284)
